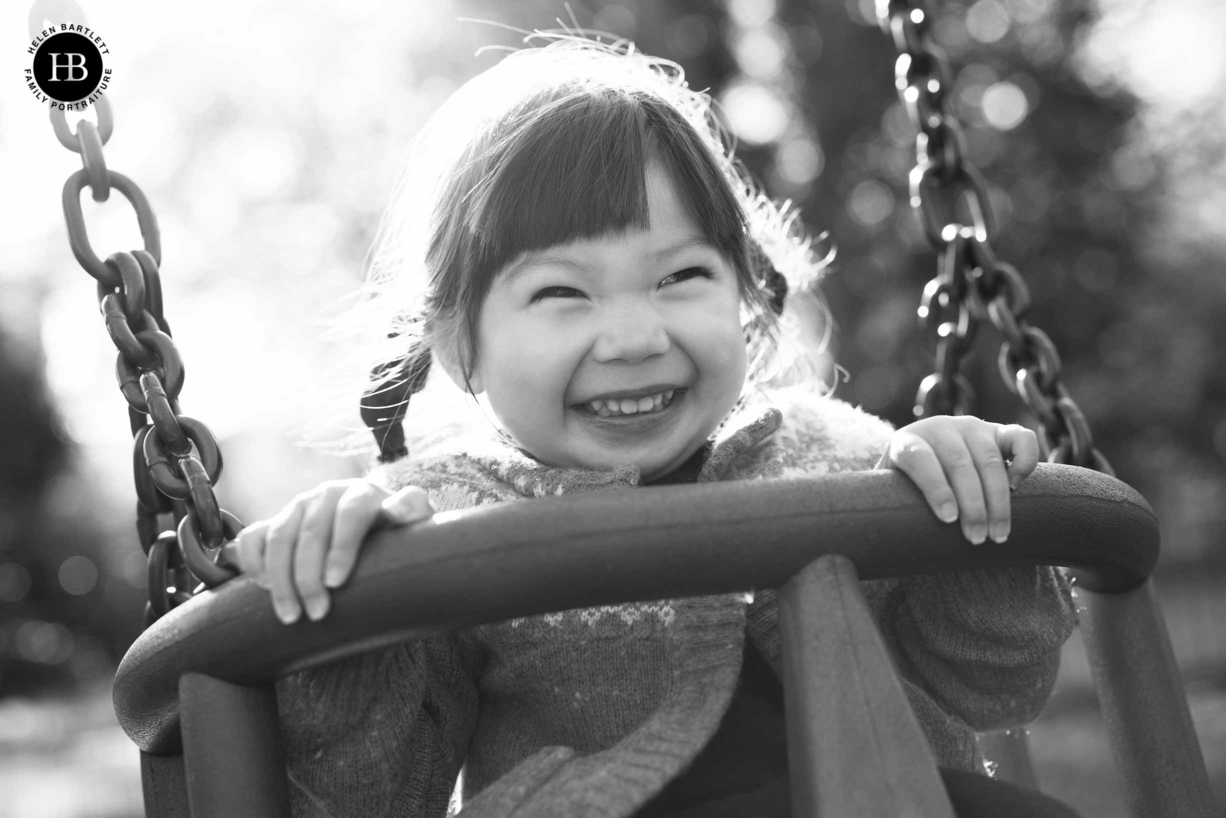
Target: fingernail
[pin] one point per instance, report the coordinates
(977, 534)
(948, 512)
(288, 614)
(1014, 482)
(334, 576)
(317, 608)
(1000, 532)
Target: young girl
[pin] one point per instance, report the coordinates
(592, 266)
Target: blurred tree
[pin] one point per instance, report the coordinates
(33, 452)
(56, 626)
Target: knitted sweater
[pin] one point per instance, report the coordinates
(591, 712)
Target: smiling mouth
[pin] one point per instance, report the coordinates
(629, 407)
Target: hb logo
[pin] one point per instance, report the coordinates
(73, 63)
(68, 67)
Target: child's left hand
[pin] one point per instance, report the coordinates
(958, 462)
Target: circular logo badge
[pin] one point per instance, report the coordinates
(68, 66)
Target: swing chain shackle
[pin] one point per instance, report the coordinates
(176, 460)
(953, 204)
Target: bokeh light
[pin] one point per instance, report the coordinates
(799, 161)
(755, 112)
(871, 203)
(78, 575)
(807, 43)
(1004, 105)
(876, 386)
(690, 35)
(615, 18)
(14, 582)
(987, 21)
(761, 52)
(751, 13)
(48, 643)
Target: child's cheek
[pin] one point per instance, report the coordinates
(721, 333)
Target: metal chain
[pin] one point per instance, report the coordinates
(176, 459)
(950, 197)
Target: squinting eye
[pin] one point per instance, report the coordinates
(685, 275)
(555, 292)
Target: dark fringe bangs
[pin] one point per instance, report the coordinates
(569, 167)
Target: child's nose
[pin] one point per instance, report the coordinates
(630, 333)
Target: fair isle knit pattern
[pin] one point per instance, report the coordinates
(591, 712)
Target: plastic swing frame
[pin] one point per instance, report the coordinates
(195, 691)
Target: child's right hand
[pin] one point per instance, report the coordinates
(312, 544)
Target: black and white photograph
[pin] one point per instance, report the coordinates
(636, 409)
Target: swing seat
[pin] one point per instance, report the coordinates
(195, 691)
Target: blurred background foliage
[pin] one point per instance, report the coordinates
(267, 138)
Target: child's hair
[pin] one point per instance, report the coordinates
(548, 147)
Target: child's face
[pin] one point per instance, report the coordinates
(622, 349)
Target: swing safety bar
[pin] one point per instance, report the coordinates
(195, 693)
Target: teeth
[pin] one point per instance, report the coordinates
(631, 406)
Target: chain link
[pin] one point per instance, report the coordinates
(78, 239)
(74, 141)
(53, 11)
(951, 200)
(176, 459)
